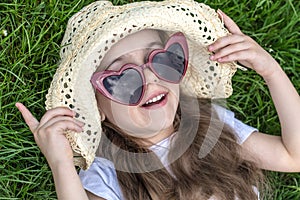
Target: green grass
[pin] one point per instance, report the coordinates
(29, 56)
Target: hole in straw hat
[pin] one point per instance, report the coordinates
(88, 132)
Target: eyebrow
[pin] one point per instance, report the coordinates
(150, 45)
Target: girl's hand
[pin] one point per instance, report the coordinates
(49, 133)
(240, 47)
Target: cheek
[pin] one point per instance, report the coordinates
(118, 114)
(127, 118)
(104, 105)
(174, 90)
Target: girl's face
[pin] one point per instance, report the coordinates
(153, 121)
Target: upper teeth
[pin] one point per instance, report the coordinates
(157, 98)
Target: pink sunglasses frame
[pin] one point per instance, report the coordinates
(98, 77)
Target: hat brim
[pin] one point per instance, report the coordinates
(98, 26)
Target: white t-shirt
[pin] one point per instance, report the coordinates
(101, 178)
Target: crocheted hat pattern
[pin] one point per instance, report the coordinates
(97, 27)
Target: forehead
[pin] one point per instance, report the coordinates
(139, 40)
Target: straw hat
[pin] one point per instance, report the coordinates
(93, 30)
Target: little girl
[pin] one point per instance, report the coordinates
(153, 77)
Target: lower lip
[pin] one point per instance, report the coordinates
(158, 105)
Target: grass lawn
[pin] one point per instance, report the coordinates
(30, 35)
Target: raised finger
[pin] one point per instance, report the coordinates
(30, 120)
(58, 111)
(229, 23)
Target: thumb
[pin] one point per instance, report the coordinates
(30, 120)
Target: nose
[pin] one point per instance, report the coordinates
(150, 77)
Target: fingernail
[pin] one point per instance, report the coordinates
(74, 112)
(212, 57)
(221, 15)
(80, 123)
(220, 11)
(18, 104)
(79, 130)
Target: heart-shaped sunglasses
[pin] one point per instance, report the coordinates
(127, 85)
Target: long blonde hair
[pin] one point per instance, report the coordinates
(222, 173)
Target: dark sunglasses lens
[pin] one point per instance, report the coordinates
(170, 65)
(126, 87)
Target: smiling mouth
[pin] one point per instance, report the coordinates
(154, 101)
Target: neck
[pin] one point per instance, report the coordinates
(161, 135)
